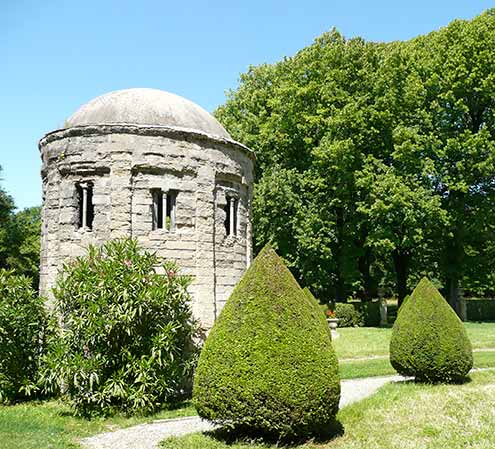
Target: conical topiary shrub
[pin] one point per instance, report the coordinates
(268, 367)
(429, 341)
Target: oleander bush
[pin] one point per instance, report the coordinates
(429, 341)
(348, 315)
(268, 367)
(23, 323)
(126, 337)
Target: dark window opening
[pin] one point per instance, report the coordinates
(164, 209)
(85, 205)
(157, 209)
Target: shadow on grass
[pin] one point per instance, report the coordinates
(456, 381)
(239, 435)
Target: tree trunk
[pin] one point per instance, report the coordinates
(339, 254)
(402, 262)
(370, 289)
(454, 253)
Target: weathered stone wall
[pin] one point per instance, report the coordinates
(125, 163)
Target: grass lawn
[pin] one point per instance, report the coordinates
(356, 342)
(382, 367)
(402, 415)
(51, 425)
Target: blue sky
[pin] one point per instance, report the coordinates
(57, 55)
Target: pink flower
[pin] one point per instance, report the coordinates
(128, 263)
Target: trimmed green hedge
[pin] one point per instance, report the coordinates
(348, 315)
(357, 313)
(370, 312)
(268, 367)
(480, 309)
(429, 341)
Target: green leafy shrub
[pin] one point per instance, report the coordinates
(268, 367)
(348, 315)
(22, 333)
(428, 340)
(126, 338)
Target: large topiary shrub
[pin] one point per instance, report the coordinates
(22, 333)
(429, 341)
(126, 338)
(268, 367)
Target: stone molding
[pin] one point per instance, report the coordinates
(143, 130)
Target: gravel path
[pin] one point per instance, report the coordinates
(148, 436)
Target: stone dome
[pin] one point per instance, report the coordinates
(151, 107)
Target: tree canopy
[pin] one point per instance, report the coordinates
(19, 238)
(376, 161)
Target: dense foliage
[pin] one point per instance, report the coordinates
(23, 325)
(348, 315)
(126, 337)
(268, 366)
(376, 162)
(20, 238)
(428, 340)
(480, 309)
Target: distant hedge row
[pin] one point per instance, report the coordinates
(480, 309)
(357, 313)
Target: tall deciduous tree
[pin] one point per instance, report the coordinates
(376, 159)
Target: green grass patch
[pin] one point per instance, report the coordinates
(482, 335)
(355, 342)
(381, 367)
(405, 415)
(52, 424)
(365, 368)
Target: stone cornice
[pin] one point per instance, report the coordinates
(142, 130)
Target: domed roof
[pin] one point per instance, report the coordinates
(151, 107)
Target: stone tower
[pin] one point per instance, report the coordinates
(153, 166)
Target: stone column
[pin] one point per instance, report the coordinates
(231, 201)
(84, 223)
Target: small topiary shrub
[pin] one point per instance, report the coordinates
(268, 367)
(126, 339)
(22, 332)
(428, 340)
(348, 315)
